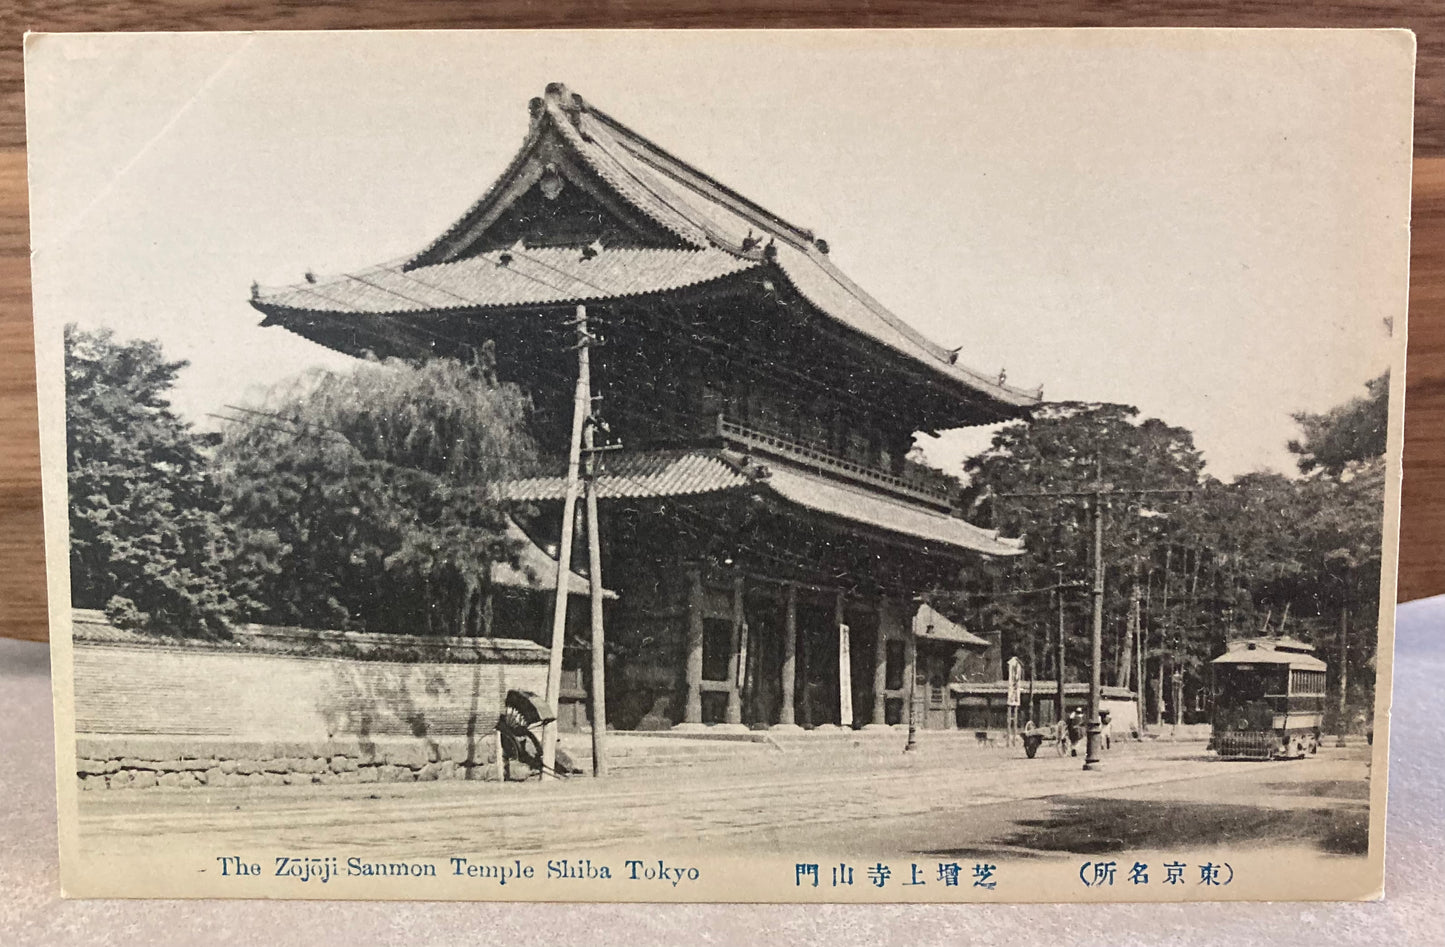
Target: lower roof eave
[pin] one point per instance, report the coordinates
(883, 515)
(702, 473)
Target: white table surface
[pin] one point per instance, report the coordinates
(1412, 913)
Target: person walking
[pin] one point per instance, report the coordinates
(1076, 730)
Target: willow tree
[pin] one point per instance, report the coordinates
(364, 498)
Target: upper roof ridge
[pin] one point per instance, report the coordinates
(573, 105)
(672, 205)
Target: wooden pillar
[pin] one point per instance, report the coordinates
(845, 663)
(880, 667)
(692, 708)
(735, 664)
(790, 654)
(804, 657)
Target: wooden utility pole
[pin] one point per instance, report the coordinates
(1097, 496)
(1059, 658)
(594, 580)
(910, 662)
(581, 408)
(1096, 643)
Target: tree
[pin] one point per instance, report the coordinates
(1264, 555)
(364, 498)
(1354, 431)
(1066, 449)
(1342, 503)
(146, 541)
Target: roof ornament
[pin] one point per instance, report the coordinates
(822, 245)
(953, 355)
(592, 249)
(571, 105)
(310, 277)
(770, 252)
(1002, 376)
(552, 183)
(750, 242)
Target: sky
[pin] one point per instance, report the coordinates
(1212, 226)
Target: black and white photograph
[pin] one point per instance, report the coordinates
(722, 466)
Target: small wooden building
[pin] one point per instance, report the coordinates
(940, 642)
(983, 705)
(767, 536)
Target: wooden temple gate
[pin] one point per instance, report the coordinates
(760, 497)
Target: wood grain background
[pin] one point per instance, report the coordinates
(22, 567)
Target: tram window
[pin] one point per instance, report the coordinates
(1241, 683)
(1307, 682)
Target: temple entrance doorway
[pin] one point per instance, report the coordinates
(817, 665)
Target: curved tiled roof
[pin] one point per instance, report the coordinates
(640, 474)
(536, 275)
(932, 625)
(705, 213)
(536, 569)
(726, 234)
(880, 512)
(691, 472)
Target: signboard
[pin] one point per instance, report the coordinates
(1015, 680)
(845, 679)
(742, 675)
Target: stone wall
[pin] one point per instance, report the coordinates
(284, 706)
(116, 762)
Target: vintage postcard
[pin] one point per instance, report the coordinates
(917, 466)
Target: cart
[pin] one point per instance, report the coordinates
(520, 731)
(1035, 737)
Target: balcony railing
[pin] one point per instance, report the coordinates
(806, 455)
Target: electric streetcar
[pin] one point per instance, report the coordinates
(1269, 700)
